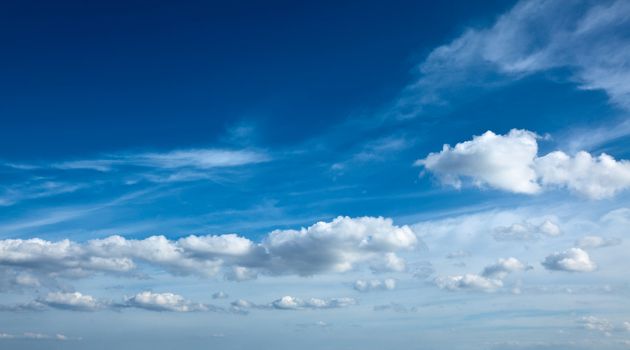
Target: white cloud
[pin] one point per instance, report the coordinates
(374, 284)
(510, 163)
(72, 301)
(36, 336)
(293, 303)
(192, 158)
(595, 177)
(220, 295)
(503, 267)
(469, 281)
(163, 302)
(490, 279)
(336, 246)
(572, 260)
(593, 323)
(586, 38)
(526, 231)
(597, 242)
(500, 161)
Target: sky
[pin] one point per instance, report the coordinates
(323, 175)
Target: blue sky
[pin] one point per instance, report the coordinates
(325, 175)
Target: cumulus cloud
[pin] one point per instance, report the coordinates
(164, 302)
(586, 38)
(503, 267)
(293, 303)
(336, 246)
(469, 281)
(571, 260)
(526, 231)
(597, 242)
(510, 163)
(72, 301)
(490, 279)
(374, 284)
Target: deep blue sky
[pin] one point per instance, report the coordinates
(85, 77)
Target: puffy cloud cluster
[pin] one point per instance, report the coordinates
(503, 267)
(571, 260)
(490, 279)
(510, 163)
(374, 284)
(335, 246)
(526, 231)
(163, 302)
(293, 303)
(469, 281)
(72, 301)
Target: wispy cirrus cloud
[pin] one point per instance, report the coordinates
(587, 38)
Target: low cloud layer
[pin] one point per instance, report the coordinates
(511, 163)
(325, 247)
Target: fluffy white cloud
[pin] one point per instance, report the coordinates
(500, 161)
(339, 245)
(490, 279)
(374, 284)
(503, 267)
(163, 302)
(335, 246)
(469, 281)
(510, 163)
(293, 303)
(72, 301)
(595, 177)
(572, 260)
(597, 242)
(526, 231)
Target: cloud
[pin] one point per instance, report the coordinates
(526, 231)
(503, 267)
(468, 281)
(597, 242)
(593, 323)
(293, 303)
(571, 260)
(72, 301)
(490, 279)
(458, 254)
(325, 247)
(36, 336)
(500, 161)
(164, 302)
(220, 295)
(374, 284)
(510, 163)
(585, 38)
(192, 158)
